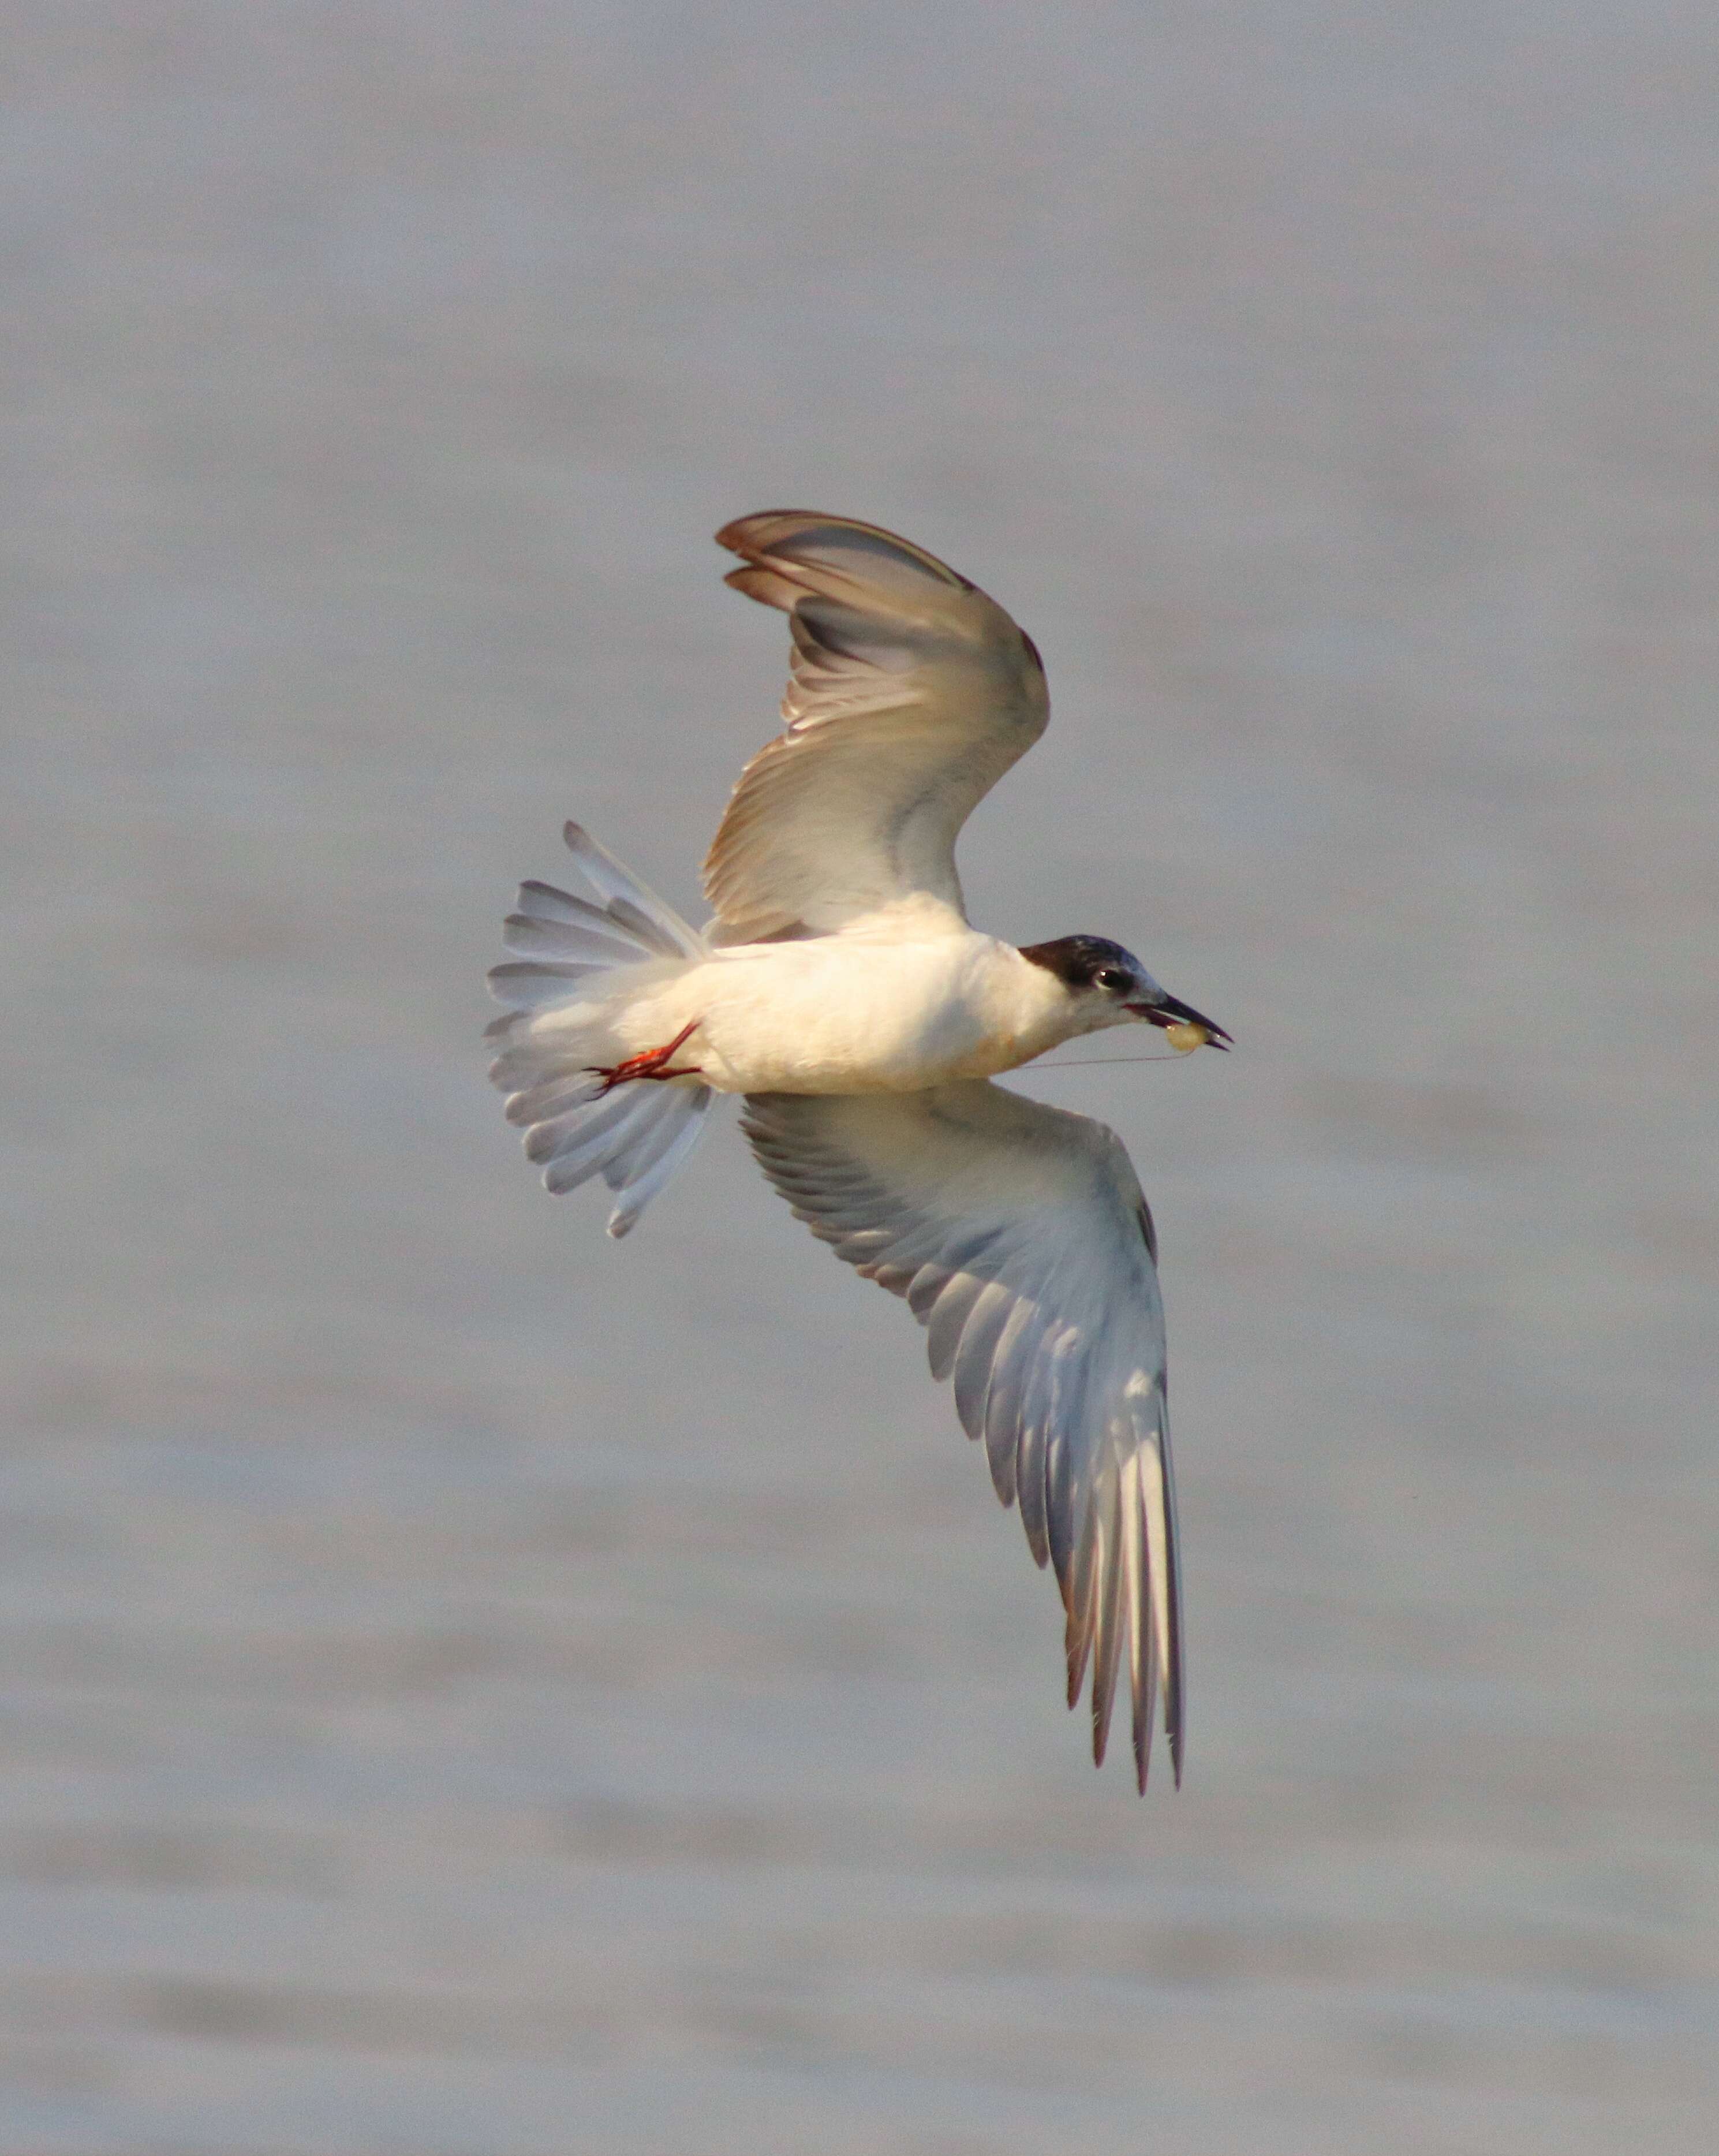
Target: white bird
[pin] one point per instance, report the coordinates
(841, 988)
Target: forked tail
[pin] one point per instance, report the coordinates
(575, 963)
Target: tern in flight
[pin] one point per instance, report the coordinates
(842, 990)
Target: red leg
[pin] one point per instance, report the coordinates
(653, 1063)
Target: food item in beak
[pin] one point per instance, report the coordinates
(1184, 1037)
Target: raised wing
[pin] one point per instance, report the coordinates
(910, 694)
(1019, 1238)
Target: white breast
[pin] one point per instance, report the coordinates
(854, 1013)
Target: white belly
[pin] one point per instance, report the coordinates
(836, 1014)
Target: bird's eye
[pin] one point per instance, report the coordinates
(1111, 977)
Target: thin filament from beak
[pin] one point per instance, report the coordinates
(1087, 1062)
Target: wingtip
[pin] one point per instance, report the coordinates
(1077, 1646)
(752, 580)
(1142, 1721)
(740, 534)
(1142, 1749)
(766, 530)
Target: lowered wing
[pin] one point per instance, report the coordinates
(1019, 1238)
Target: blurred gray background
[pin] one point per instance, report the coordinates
(470, 1689)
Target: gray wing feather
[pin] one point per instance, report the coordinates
(1014, 1232)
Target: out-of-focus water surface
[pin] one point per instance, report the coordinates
(470, 1689)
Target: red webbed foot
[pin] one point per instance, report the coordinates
(652, 1063)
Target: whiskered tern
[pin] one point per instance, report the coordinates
(841, 989)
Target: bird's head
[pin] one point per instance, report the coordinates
(1108, 985)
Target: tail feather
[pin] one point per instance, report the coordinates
(564, 982)
(589, 937)
(554, 1096)
(569, 1148)
(654, 920)
(645, 1140)
(529, 983)
(647, 1183)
